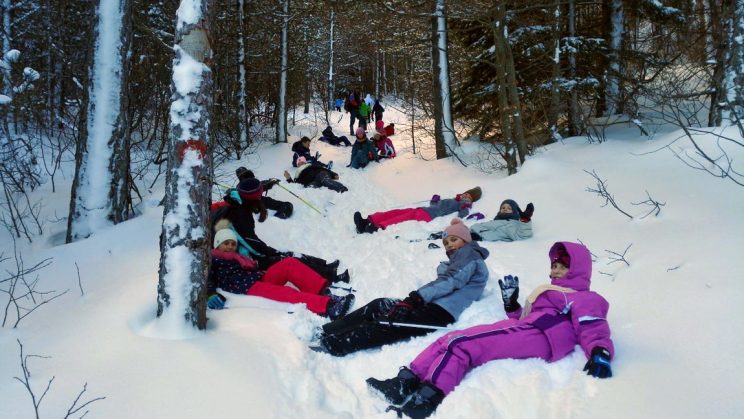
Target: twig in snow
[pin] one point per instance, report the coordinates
(618, 257)
(601, 190)
(654, 204)
(80, 283)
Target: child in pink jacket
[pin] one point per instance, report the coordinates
(556, 317)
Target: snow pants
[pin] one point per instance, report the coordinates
(308, 282)
(361, 329)
(354, 113)
(323, 179)
(315, 263)
(446, 361)
(387, 218)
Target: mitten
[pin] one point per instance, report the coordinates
(599, 363)
(435, 198)
(526, 215)
(476, 215)
(216, 301)
(510, 292)
(270, 183)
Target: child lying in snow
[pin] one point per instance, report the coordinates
(510, 224)
(461, 204)
(238, 274)
(315, 175)
(460, 281)
(556, 317)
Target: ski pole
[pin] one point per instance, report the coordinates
(347, 289)
(414, 325)
(298, 197)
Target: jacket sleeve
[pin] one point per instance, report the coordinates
(454, 278)
(589, 319)
(211, 280)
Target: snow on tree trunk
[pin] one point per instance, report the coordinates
(7, 29)
(555, 93)
(573, 106)
(735, 70)
(444, 133)
(331, 95)
(102, 165)
(243, 84)
(717, 87)
(185, 238)
(281, 112)
(612, 86)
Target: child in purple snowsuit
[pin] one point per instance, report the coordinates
(556, 317)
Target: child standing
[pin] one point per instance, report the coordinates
(364, 111)
(438, 207)
(238, 274)
(459, 282)
(377, 110)
(363, 151)
(556, 317)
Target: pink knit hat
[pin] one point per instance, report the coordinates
(360, 131)
(458, 229)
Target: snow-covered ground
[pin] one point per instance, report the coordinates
(673, 314)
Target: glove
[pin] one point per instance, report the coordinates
(526, 215)
(270, 183)
(599, 363)
(414, 300)
(216, 301)
(399, 312)
(510, 292)
(476, 215)
(435, 198)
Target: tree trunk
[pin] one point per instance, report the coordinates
(101, 165)
(185, 239)
(281, 112)
(444, 134)
(574, 112)
(735, 78)
(555, 93)
(614, 41)
(331, 90)
(720, 43)
(242, 82)
(502, 95)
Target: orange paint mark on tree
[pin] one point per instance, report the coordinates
(192, 144)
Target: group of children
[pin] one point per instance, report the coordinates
(554, 319)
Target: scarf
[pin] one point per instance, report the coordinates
(536, 293)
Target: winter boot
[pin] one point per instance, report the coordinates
(284, 211)
(436, 236)
(342, 277)
(423, 402)
(333, 265)
(397, 389)
(338, 306)
(329, 166)
(369, 227)
(359, 222)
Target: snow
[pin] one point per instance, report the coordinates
(673, 312)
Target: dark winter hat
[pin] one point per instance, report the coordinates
(475, 193)
(516, 211)
(250, 189)
(457, 229)
(562, 257)
(243, 173)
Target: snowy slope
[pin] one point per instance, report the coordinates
(673, 311)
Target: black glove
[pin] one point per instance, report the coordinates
(526, 215)
(399, 312)
(510, 292)
(599, 363)
(268, 184)
(414, 300)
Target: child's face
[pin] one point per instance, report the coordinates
(228, 246)
(452, 243)
(557, 270)
(466, 197)
(306, 144)
(361, 137)
(505, 209)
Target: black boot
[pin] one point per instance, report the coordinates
(342, 277)
(359, 222)
(397, 389)
(333, 265)
(423, 402)
(369, 227)
(436, 236)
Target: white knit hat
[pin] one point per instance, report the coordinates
(224, 235)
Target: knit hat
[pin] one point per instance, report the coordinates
(562, 257)
(301, 160)
(360, 131)
(380, 126)
(242, 173)
(475, 193)
(457, 229)
(250, 189)
(224, 235)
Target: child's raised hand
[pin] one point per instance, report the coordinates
(510, 292)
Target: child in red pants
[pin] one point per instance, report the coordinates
(238, 274)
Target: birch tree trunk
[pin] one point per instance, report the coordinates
(555, 93)
(444, 133)
(185, 241)
(281, 112)
(735, 73)
(100, 191)
(612, 87)
(720, 44)
(331, 90)
(242, 83)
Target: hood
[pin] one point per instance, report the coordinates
(328, 132)
(580, 272)
(472, 247)
(298, 147)
(515, 214)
